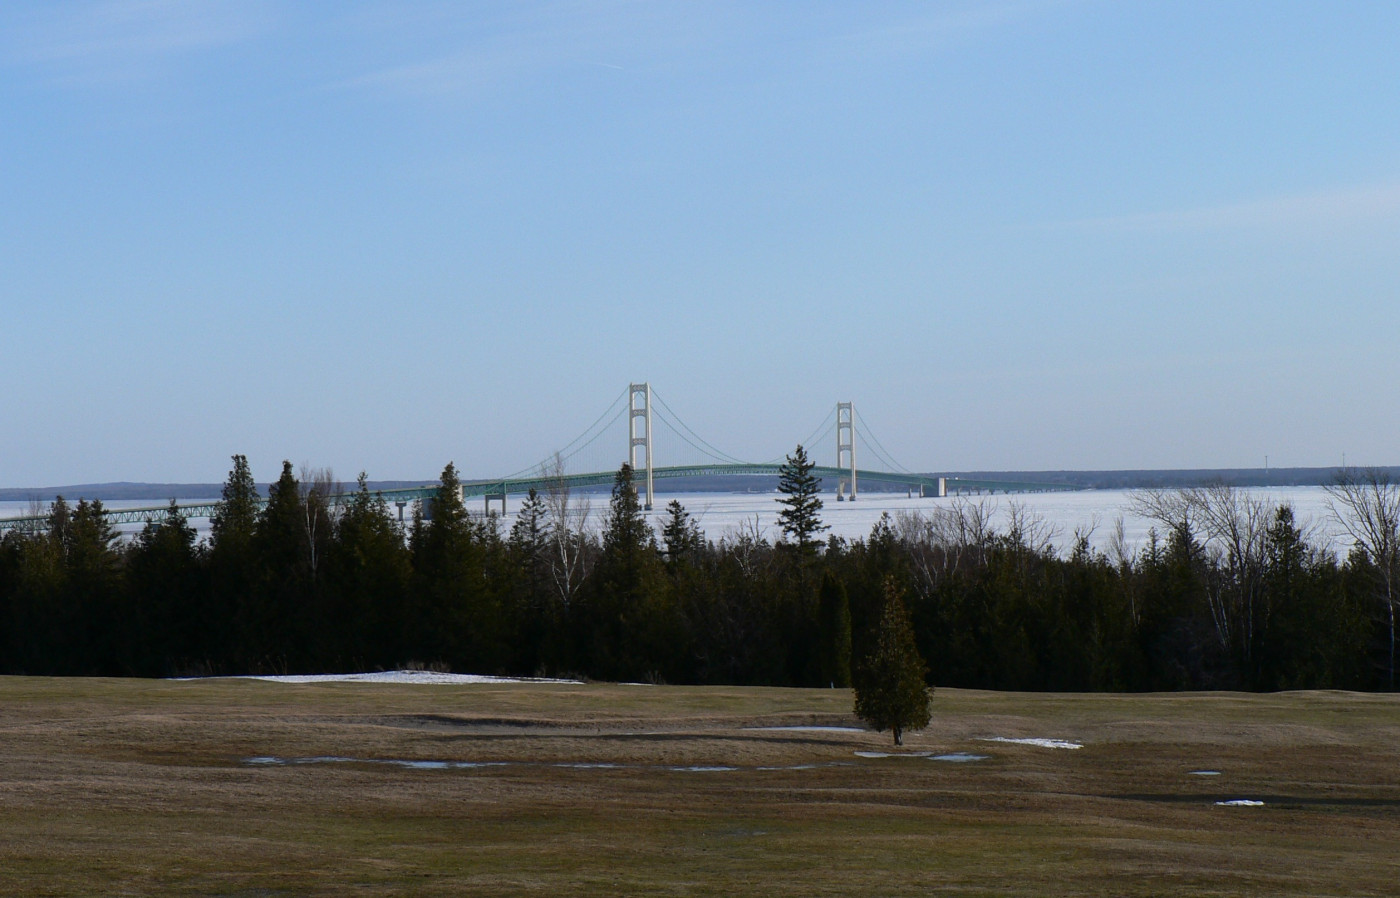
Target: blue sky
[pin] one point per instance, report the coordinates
(380, 237)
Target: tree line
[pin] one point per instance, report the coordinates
(1227, 593)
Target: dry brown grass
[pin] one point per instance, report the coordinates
(141, 787)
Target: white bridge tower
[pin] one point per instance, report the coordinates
(639, 408)
(846, 447)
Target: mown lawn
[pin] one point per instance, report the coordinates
(146, 787)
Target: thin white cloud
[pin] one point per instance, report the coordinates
(516, 43)
(943, 25)
(520, 43)
(125, 40)
(1328, 208)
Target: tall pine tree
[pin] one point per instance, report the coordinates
(800, 518)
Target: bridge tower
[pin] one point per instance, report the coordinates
(846, 447)
(635, 411)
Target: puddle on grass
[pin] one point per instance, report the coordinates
(584, 765)
(959, 757)
(893, 754)
(444, 765)
(1203, 772)
(799, 767)
(270, 761)
(702, 768)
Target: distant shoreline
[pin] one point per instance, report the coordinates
(1127, 479)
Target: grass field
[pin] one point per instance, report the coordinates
(129, 787)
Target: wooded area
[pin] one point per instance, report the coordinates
(1229, 594)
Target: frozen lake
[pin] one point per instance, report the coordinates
(1092, 511)
(727, 514)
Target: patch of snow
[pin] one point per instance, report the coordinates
(1205, 772)
(807, 729)
(409, 677)
(1240, 803)
(1042, 743)
(959, 757)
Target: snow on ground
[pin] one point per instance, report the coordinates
(807, 729)
(1042, 743)
(410, 677)
(1240, 803)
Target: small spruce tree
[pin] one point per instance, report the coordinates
(890, 691)
(680, 533)
(801, 515)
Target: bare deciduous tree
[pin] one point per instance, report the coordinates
(1232, 528)
(746, 542)
(1366, 504)
(1030, 530)
(320, 506)
(568, 535)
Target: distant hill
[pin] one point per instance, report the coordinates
(156, 492)
(1145, 478)
(1174, 479)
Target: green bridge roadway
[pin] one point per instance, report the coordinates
(498, 489)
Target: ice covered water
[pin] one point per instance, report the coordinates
(730, 515)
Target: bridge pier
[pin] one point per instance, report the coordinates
(492, 497)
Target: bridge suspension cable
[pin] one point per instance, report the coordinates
(878, 449)
(708, 448)
(822, 431)
(578, 444)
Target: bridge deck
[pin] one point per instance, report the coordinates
(541, 483)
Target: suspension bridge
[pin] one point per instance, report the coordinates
(640, 420)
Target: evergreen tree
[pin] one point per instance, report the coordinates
(231, 568)
(164, 585)
(834, 627)
(890, 692)
(627, 615)
(533, 614)
(92, 592)
(367, 576)
(11, 552)
(452, 618)
(681, 534)
(800, 518)
(41, 621)
(236, 515)
(274, 618)
(529, 534)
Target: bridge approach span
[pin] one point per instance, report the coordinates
(497, 490)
